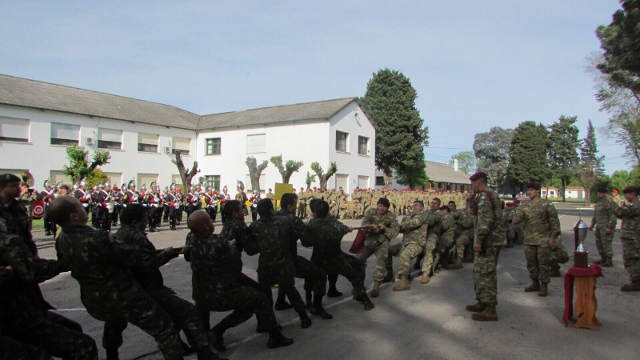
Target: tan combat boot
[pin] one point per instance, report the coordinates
(477, 307)
(634, 286)
(404, 284)
(425, 278)
(489, 314)
(535, 286)
(376, 289)
(456, 265)
(543, 289)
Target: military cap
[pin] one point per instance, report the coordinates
(8, 178)
(478, 175)
(533, 185)
(384, 202)
(602, 190)
(630, 189)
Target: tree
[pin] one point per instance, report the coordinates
(623, 178)
(562, 144)
(466, 161)
(590, 167)
(414, 177)
(185, 175)
(79, 166)
(286, 169)
(401, 134)
(254, 173)
(97, 177)
(322, 176)
(492, 150)
(528, 154)
(309, 179)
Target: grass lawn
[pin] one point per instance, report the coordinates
(37, 224)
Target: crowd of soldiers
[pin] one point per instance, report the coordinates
(120, 281)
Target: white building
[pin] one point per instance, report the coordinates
(442, 177)
(38, 121)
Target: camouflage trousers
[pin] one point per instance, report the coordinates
(511, 233)
(461, 240)
(485, 277)
(58, 336)
(443, 246)
(184, 314)
(559, 256)
(350, 267)
(427, 264)
(11, 349)
(406, 253)
(603, 242)
(284, 277)
(538, 261)
(631, 257)
(381, 251)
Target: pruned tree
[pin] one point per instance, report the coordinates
(79, 164)
(590, 167)
(96, 177)
(255, 171)
(528, 154)
(323, 177)
(185, 175)
(493, 151)
(287, 168)
(562, 146)
(309, 179)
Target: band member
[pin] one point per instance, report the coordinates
(104, 206)
(172, 206)
(152, 202)
(211, 203)
(47, 195)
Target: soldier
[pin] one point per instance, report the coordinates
(414, 239)
(171, 205)
(192, 200)
(81, 194)
(302, 204)
(116, 195)
(147, 273)
(543, 227)
(507, 215)
(93, 206)
(344, 209)
(605, 223)
(488, 237)
(211, 204)
(445, 240)
(270, 194)
(326, 233)
(27, 198)
(101, 267)
(224, 197)
(103, 202)
(242, 197)
(12, 349)
(152, 201)
(463, 233)
(630, 216)
(14, 214)
(382, 228)
(559, 255)
(433, 217)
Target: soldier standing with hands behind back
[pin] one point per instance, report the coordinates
(605, 223)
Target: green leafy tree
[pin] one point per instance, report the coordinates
(96, 177)
(590, 167)
(323, 177)
(466, 161)
(493, 151)
(563, 144)
(528, 155)
(309, 179)
(79, 164)
(401, 134)
(287, 168)
(255, 171)
(623, 178)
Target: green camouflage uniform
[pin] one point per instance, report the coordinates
(107, 289)
(604, 219)
(17, 222)
(414, 239)
(433, 218)
(559, 254)
(447, 232)
(376, 241)
(463, 230)
(11, 349)
(630, 216)
(25, 315)
(490, 233)
(542, 224)
(27, 200)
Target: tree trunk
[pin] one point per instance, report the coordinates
(255, 171)
(185, 175)
(563, 189)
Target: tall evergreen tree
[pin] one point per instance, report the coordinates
(493, 149)
(563, 154)
(590, 168)
(528, 155)
(401, 136)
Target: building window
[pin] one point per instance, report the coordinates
(109, 139)
(363, 145)
(213, 181)
(65, 134)
(214, 146)
(12, 129)
(148, 142)
(181, 144)
(379, 180)
(342, 138)
(256, 143)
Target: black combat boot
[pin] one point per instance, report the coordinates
(318, 310)
(276, 340)
(368, 305)
(112, 354)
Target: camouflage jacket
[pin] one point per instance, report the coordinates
(327, 238)
(414, 230)
(271, 238)
(21, 303)
(433, 218)
(238, 230)
(448, 229)
(146, 270)
(464, 222)
(489, 224)
(296, 230)
(630, 213)
(389, 220)
(17, 221)
(603, 215)
(542, 221)
(210, 259)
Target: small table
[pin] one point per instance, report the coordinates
(586, 302)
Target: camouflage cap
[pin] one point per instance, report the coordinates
(8, 178)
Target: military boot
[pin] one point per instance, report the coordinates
(477, 307)
(634, 286)
(456, 265)
(555, 272)
(543, 289)
(425, 278)
(368, 305)
(607, 263)
(376, 289)
(489, 314)
(276, 339)
(535, 286)
(205, 353)
(318, 310)
(112, 353)
(404, 284)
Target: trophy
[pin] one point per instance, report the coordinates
(581, 255)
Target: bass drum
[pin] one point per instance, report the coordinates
(38, 209)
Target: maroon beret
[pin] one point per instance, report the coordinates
(533, 185)
(630, 189)
(477, 176)
(384, 202)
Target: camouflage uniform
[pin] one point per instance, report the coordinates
(559, 254)
(414, 239)
(27, 200)
(630, 216)
(433, 218)
(542, 224)
(25, 315)
(146, 271)
(508, 215)
(604, 219)
(445, 241)
(107, 289)
(377, 242)
(17, 222)
(11, 349)
(463, 230)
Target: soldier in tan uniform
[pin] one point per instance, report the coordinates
(605, 224)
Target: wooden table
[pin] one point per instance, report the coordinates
(586, 303)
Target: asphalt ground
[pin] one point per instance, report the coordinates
(428, 321)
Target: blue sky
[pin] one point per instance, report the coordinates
(474, 64)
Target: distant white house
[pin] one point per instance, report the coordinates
(39, 120)
(570, 192)
(442, 177)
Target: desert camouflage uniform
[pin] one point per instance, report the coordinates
(414, 239)
(376, 241)
(433, 218)
(604, 219)
(463, 230)
(446, 238)
(630, 216)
